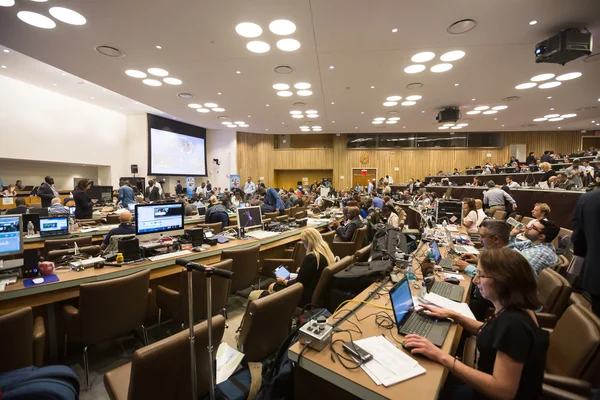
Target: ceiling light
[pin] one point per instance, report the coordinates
(194, 105)
(443, 127)
(473, 112)
(243, 125)
(441, 68)
(391, 122)
(409, 103)
(158, 72)
(413, 69)
(394, 98)
(159, 47)
(569, 76)
(379, 119)
(488, 112)
(302, 85)
(211, 105)
(495, 119)
(498, 108)
(372, 87)
(298, 116)
(35, 19)
(331, 67)
(555, 119)
(332, 102)
(6, 51)
(226, 123)
(135, 73)
(288, 44)
(527, 85)
(282, 27)
(568, 115)
(551, 116)
(317, 130)
(532, 22)
(284, 93)
(481, 108)
(377, 122)
(394, 30)
(456, 127)
(549, 85)
(256, 46)
(67, 16)
(172, 81)
(7, 3)
(281, 86)
(423, 57)
(452, 56)
(152, 82)
(414, 97)
(232, 126)
(316, 127)
(540, 119)
(448, 125)
(394, 119)
(248, 29)
(462, 124)
(542, 77)
(239, 122)
(456, 84)
(304, 92)
(311, 111)
(218, 109)
(390, 103)
(295, 112)
(238, 72)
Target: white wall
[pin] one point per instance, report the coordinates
(33, 172)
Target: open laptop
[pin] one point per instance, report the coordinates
(54, 226)
(409, 321)
(461, 249)
(445, 263)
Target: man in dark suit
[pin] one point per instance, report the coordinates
(586, 243)
(19, 209)
(47, 191)
(411, 187)
(152, 192)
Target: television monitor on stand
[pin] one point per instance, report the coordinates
(155, 221)
(11, 240)
(249, 218)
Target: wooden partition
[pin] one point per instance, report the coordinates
(289, 178)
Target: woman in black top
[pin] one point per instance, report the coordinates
(512, 347)
(548, 171)
(84, 206)
(318, 256)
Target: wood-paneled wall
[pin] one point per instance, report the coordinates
(256, 156)
(289, 178)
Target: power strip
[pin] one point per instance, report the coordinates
(86, 263)
(315, 335)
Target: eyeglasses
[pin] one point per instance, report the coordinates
(478, 275)
(487, 236)
(534, 228)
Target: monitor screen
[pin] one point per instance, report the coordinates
(72, 210)
(158, 218)
(401, 299)
(437, 256)
(34, 218)
(54, 226)
(11, 238)
(249, 217)
(131, 207)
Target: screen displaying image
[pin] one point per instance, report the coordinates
(177, 154)
(249, 217)
(402, 299)
(159, 218)
(54, 226)
(10, 235)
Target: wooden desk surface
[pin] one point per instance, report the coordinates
(356, 381)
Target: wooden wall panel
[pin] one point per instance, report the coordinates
(563, 142)
(289, 178)
(311, 141)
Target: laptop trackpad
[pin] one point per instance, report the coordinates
(438, 332)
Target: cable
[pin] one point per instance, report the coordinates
(302, 351)
(361, 301)
(341, 357)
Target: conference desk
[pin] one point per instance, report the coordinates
(500, 179)
(35, 201)
(349, 384)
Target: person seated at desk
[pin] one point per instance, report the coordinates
(510, 183)
(512, 347)
(152, 192)
(548, 171)
(563, 182)
(530, 160)
(216, 213)
(47, 191)
(57, 208)
(456, 172)
(124, 228)
(84, 206)
(10, 191)
(126, 195)
(514, 162)
(537, 248)
(393, 220)
(19, 185)
(575, 172)
(190, 209)
(346, 232)
(272, 202)
(469, 215)
(19, 209)
(377, 202)
(476, 181)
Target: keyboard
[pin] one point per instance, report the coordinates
(447, 263)
(448, 290)
(170, 255)
(262, 234)
(466, 249)
(418, 324)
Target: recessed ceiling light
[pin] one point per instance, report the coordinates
(311, 111)
(35, 19)
(555, 119)
(481, 108)
(331, 67)
(462, 124)
(332, 102)
(372, 87)
(456, 84)
(549, 97)
(281, 86)
(527, 85)
(568, 115)
(218, 109)
(551, 116)
(495, 119)
(135, 73)
(362, 112)
(67, 16)
(152, 82)
(8, 51)
(316, 127)
(549, 85)
(383, 119)
(378, 122)
(542, 77)
(540, 119)
(394, 30)
(394, 98)
(443, 127)
(298, 116)
(498, 108)
(552, 109)
(226, 123)
(488, 112)
(304, 92)
(472, 99)
(532, 22)
(194, 105)
(232, 126)
(203, 110)
(448, 125)
(284, 93)
(243, 125)
(257, 46)
(317, 130)
(295, 112)
(7, 3)
(239, 122)
(157, 72)
(441, 68)
(456, 127)
(288, 44)
(422, 57)
(248, 29)
(394, 119)
(569, 76)
(409, 103)
(452, 56)
(413, 69)
(238, 72)
(159, 47)
(414, 97)
(282, 27)
(211, 105)
(172, 81)
(390, 122)
(390, 103)
(302, 85)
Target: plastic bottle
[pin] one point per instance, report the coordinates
(410, 273)
(30, 229)
(444, 223)
(423, 289)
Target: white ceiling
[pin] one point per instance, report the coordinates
(200, 47)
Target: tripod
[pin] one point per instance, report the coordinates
(209, 271)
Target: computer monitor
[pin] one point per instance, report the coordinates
(95, 193)
(11, 238)
(241, 205)
(249, 217)
(34, 218)
(41, 211)
(131, 207)
(153, 221)
(106, 193)
(54, 226)
(72, 210)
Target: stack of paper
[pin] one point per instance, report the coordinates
(228, 361)
(389, 364)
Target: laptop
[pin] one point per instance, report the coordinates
(54, 226)
(445, 263)
(408, 321)
(461, 249)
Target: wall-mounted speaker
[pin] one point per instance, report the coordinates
(134, 168)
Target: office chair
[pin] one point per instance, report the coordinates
(526, 220)
(61, 244)
(554, 292)
(22, 340)
(322, 294)
(362, 255)
(216, 227)
(245, 266)
(328, 237)
(499, 215)
(271, 215)
(291, 264)
(343, 249)
(112, 219)
(282, 218)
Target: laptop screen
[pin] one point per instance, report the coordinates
(54, 226)
(436, 251)
(401, 298)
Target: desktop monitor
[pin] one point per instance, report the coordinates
(54, 226)
(11, 238)
(154, 221)
(95, 193)
(249, 217)
(34, 218)
(41, 211)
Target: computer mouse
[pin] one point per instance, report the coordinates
(453, 281)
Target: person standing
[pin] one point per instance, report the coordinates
(126, 196)
(178, 188)
(370, 187)
(249, 188)
(494, 198)
(152, 193)
(47, 191)
(84, 206)
(208, 186)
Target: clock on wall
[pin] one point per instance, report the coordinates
(364, 158)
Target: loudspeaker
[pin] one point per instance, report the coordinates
(31, 259)
(134, 168)
(195, 236)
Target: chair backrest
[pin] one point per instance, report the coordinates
(216, 227)
(89, 250)
(499, 214)
(562, 232)
(526, 220)
(562, 265)
(518, 217)
(89, 222)
(288, 211)
(220, 289)
(267, 323)
(271, 215)
(112, 219)
(362, 255)
(58, 244)
(245, 266)
(111, 308)
(301, 214)
(16, 339)
(574, 349)
(554, 291)
(323, 289)
(328, 237)
(159, 371)
(359, 237)
(282, 218)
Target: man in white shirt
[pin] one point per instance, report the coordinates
(480, 214)
(249, 188)
(370, 187)
(389, 179)
(159, 186)
(510, 183)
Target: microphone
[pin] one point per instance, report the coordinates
(223, 273)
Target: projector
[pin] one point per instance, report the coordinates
(563, 47)
(450, 114)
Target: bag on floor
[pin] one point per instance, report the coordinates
(56, 382)
(386, 243)
(358, 276)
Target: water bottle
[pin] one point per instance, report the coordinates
(30, 229)
(444, 223)
(423, 289)
(410, 273)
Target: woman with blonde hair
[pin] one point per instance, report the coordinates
(318, 257)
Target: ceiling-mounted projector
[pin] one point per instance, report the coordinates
(449, 114)
(563, 47)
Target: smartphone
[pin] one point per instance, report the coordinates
(357, 352)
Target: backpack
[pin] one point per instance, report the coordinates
(388, 241)
(55, 382)
(358, 276)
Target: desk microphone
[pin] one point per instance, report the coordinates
(223, 273)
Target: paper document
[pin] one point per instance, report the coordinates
(86, 230)
(315, 221)
(7, 200)
(228, 361)
(460, 277)
(461, 308)
(452, 228)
